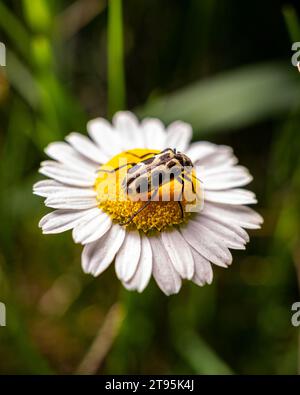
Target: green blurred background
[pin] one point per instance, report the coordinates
(223, 66)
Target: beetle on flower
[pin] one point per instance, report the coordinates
(89, 187)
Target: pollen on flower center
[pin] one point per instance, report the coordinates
(113, 199)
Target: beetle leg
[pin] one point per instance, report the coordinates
(196, 178)
(117, 169)
(181, 180)
(142, 156)
(149, 153)
(141, 208)
(181, 209)
(187, 178)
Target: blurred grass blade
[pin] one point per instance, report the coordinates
(76, 16)
(199, 355)
(231, 100)
(38, 17)
(115, 69)
(17, 334)
(14, 29)
(22, 80)
(292, 22)
(103, 341)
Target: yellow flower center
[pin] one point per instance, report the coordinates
(157, 214)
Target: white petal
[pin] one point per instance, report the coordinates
(232, 235)
(201, 149)
(129, 130)
(240, 215)
(105, 136)
(86, 147)
(231, 196)
(179, 135)
(154, 133)
(205, 151)
(71, 202)
(143, 272)
(222, 168)
(53, 188)
(179, 252)
(92, 229)
(64, 153)
(128, 256)
(61, 173)
(223, 157)
(203, 270)
(61, 220)
(207, 243)
(230, 178)
(164, 272)
(97, 256)
(47, 187)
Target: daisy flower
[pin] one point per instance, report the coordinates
(161, 238)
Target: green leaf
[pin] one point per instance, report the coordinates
(199, 355)
(231, 100)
